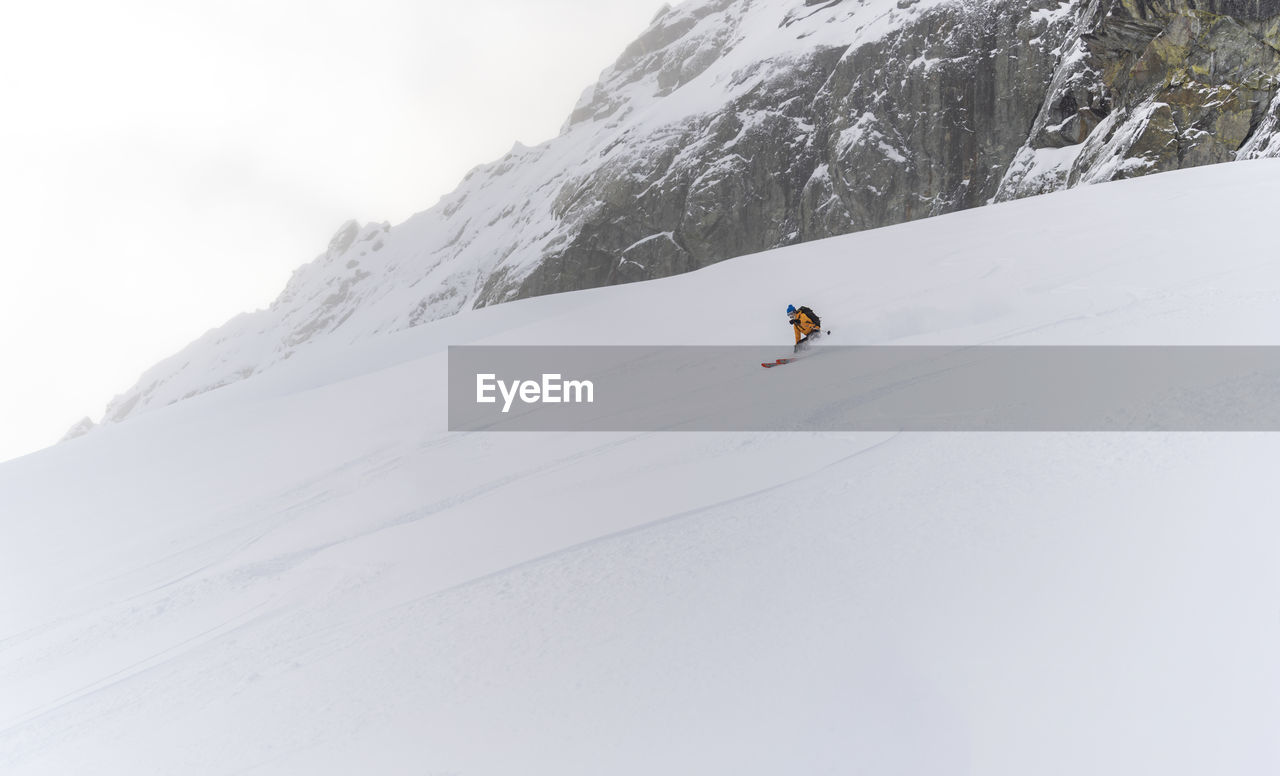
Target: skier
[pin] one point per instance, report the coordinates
(807, 325)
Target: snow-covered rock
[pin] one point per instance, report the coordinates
(79, 428)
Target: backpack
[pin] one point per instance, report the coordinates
(812, 316)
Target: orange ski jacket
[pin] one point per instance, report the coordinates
(803, 325)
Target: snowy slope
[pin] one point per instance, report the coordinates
(305, 573)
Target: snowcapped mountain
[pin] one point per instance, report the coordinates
(735, 126)
(305, 573)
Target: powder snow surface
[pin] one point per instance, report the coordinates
(305, 573)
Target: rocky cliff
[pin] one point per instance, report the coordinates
(1148, 86)
(735, 126)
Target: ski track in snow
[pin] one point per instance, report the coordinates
(305, 573)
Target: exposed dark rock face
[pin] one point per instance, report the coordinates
(920, 121)
(1169, 84)
(961, 104)
(926, 120)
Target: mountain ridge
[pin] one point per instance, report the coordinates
(735, 126)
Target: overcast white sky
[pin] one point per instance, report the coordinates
(166, 164)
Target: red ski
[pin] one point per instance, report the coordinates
(779, 362)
